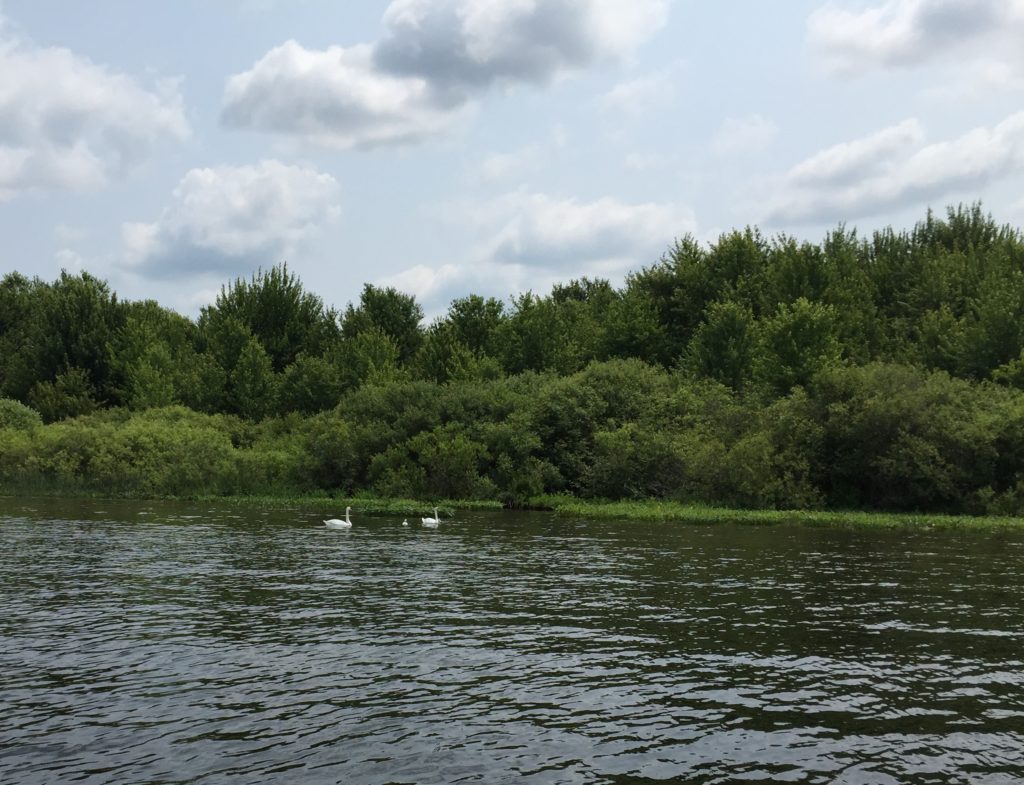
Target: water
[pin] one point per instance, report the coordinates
(145, 643)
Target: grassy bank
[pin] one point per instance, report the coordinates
(653, 510)
(370, 505)
(313, 502)
(700, 514)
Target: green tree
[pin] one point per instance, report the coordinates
(202, 383)
(310, 384)
(67, 324)
(387, 311)
(724, 345)
(274, 307)
(69, 395)
(452, 464)
(370, 356)
(149, 353)
(797, 343)
(151, 379)
(474, 322)
(534, 338)
(901, 438)
(253, 384)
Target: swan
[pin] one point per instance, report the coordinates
(405, 523)
(334, 523)
(431, 522)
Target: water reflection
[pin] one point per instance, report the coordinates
(169, 643)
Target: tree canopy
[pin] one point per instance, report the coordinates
(872, 371)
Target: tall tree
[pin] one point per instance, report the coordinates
(279, 313)
(395, 314)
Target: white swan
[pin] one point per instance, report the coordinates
(405, 523)
(335, 523)
(431, 523)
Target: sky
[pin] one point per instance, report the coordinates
(449, 147)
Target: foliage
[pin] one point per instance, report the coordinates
(69, 395)
(389, 312)
(276, 310)
(882, 371)
(18, 416)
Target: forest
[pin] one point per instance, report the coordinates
(874, 372)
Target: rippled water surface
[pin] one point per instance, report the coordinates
(144, 643)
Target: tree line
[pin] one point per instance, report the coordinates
(882, 371)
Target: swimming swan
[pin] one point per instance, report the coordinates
(334, 523)
(431, 522)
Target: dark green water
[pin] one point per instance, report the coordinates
(154, 643)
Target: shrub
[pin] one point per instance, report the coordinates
(18, 416)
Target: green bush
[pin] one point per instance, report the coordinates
(18, 416)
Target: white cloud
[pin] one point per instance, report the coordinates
(639, 162)
(466, 45)
(1016, 212)
(436, 58)
(637, 97)
(528, 241)
(893, 168)
(903, 33)
(852, 161)
(69, 124)
(503, 166)
(539, 230)
(514, 165)
(436, 287)
(69, 260)
(232, 219)
(66, 234)
(335, 98)
(744, 135)
(976, 80)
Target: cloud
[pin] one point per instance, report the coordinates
(335, 98)
(892, 169)
(528, 241)
(232, 220)
(538, 230)
(850, 162)
(502, 166)
(639, 162)
(1016, 212)
(976, 79)
(905, 33)
(744, 135)
(67, 124)
(465, 46)
(434, 61)
(69, 260)
(436, 287)
(639, 96)
(516, 164)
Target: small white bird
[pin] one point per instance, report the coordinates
(335, 523)
(405, 523)
(431, 523)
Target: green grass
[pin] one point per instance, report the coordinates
(695, 513)
(364, 504)
(651, 510)
(284, 501)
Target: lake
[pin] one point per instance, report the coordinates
(177, 643)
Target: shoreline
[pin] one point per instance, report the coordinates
(698, 514)
(567, 506)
